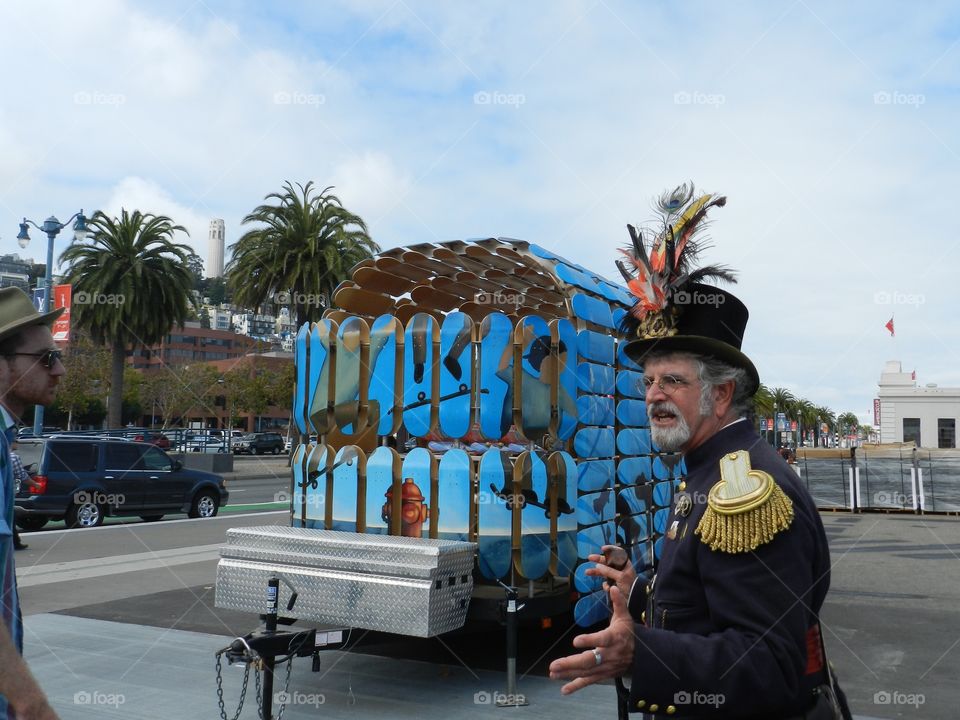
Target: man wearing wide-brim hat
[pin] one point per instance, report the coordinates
(729, 625)
(30, 370)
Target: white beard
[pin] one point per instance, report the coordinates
(673, 438)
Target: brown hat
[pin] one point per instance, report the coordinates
(17, 312)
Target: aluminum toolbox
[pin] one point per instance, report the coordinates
(410, 586)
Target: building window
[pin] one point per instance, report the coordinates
(946, 433)
(911, 430)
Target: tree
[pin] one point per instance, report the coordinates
(216, 290)
(305, 246)
(204, 318)
(88, 367)
(131, 284)
(195, 266)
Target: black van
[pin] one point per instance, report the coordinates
(82, 479)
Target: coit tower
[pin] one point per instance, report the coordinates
(215, 249)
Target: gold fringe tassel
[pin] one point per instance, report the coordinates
(746, 531)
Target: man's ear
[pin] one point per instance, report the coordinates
(723, 397)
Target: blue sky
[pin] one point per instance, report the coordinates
(830, 127)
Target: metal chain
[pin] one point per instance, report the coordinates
(243, 690)
(259, 691)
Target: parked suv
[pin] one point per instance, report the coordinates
(259, 443)
(80, 480)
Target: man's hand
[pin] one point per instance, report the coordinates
(614, 645)
(615, 568)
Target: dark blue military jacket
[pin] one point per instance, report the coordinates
(729, 635)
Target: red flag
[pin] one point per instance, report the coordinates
(913, 375)
(889, 326)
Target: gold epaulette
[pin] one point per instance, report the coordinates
(745, 510)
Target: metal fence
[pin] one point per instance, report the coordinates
(901, 479)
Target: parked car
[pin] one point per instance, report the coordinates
(82, 479)
(259, 443)
(154, 438)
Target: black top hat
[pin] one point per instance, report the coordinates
(675, 312)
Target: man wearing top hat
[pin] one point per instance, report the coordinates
(728, 627)
(30, 370)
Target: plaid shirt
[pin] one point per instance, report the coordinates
(9, 599)
(20, 475)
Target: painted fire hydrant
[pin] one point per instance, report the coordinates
(413, 511)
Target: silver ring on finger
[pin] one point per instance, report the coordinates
(597, 656)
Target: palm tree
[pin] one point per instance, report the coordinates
(827, 416)
(305, 247)
(806, 415)
(131, 284)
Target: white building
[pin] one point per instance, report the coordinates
(284, 324)
(927, 415)
(253, 325)
(215, 249)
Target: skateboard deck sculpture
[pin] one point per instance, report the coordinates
(496, 376)
(563, 494)
(632, 413)
(564, 337)
(386, 375)
(593, 442)
(634, 441)
(298, 468)
(454, 495)
(347, 474)
(319, 460)
(421, 380)
(593, 508)
(322, 339)
(495, 519)
(456, 374)
(301, 393)
(350, 376)
(534, 376)
(531, 516)
(595, 475)
(596, 347)
(630, 384)
(595, 409)
(383, 487)
(635, 470)
(596, 379)
(418, 510)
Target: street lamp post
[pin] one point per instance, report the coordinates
(52, 227)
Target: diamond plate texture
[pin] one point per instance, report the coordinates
(409, 586)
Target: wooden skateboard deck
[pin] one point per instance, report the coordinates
(594, 443)
(632, 413)
(635, 470)
(596, 347)
(595, 475)
(564, 337)
(319, 460)
(563, 495)
(322, 338)
(593, 508)
(373, 279)
(454, 495)
(456, 375)
(452, 287)
(596, 379)
(362, 302)
(386, 374)
(348, 489)
(531, 517)
(395, 266)
(595, 409)
(630, 384)
(429, 297)
(431, 266)
(301, 392)
(495, 519)
(634, 441)
(496, 376)
(351, 378)
(383, 476)
(534, 376)
(421, 381)
(419, 511)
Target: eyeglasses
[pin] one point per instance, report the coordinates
(668, 384)
(48, 358)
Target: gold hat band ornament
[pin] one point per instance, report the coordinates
(745, 509)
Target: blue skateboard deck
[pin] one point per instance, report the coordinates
(591, 539)
(496, 376)
(454, 495)
(586, 583)
(350, 376)
(386, 374)
(322, 337)
(635, 470)
(663, 493)
(418, 512)
(456, 374)
(421, 382)
(383, 477)
(634, 441)
(632, 413)
(592, 609)
(298, 467)
(347, 473)
(661, 471)
(596, 379)
(595, 475)
(630, 384)
(595, 409)
(564, 337)
(660, 520)
(596, 347)
(593, 310)
(597, 507)
(562, 471)
(301, 392)
(534, 377)
(594, 442)
(532, 516)
(319, 460)
(625, 362)
(495, 519)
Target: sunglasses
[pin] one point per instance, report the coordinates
(48, 358)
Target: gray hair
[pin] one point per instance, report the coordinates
(712, 372)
